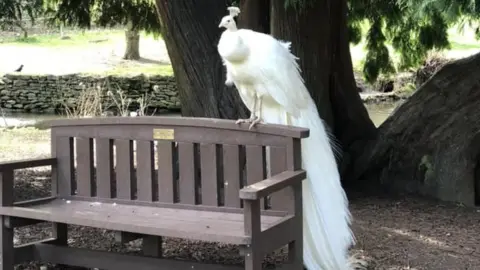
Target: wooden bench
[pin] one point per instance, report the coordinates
(154, 177)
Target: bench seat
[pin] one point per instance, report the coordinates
(214, 226)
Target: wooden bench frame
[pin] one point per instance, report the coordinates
(283, 187)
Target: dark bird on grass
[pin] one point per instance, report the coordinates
(19, 69)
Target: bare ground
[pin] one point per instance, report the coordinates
(415, 233)
(392, 233)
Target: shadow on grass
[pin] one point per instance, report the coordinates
(151, 61)
(26, 40)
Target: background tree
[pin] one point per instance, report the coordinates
(135, 15)
(13, 13)
(431, 143)
(191, 34)
(369, 154)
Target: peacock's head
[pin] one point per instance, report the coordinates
(228, 22)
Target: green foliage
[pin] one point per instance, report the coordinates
(138, 14)
(412, 27)
(70, 12)
(411, 34)
(12, 12)
(378, 59)
(354, 32)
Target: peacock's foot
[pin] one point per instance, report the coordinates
(241, 121)
(252, 121)
(255, 122)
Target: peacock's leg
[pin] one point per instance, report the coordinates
(253, 114)
(258, 119)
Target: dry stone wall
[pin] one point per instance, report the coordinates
(47, 93)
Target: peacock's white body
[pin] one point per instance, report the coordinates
(263, 67)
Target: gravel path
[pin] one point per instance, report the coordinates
(401, 233)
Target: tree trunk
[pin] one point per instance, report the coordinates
(319, 37)
(431, 144)
(191, 33)
(255, 15)
(132, 38)
(24, 30)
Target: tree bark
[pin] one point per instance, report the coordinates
(22, 27)
(255, 15)
(191, 33)
(431, 144)
(319, 37)
(132, 38)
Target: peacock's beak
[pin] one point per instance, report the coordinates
(220, 25)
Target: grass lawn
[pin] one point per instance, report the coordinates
(87, 52)
(24, 143)
(100, 51)
(131, 68)
(79, 38)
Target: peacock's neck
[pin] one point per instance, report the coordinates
(238, 50)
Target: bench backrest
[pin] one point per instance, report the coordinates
(173, 160)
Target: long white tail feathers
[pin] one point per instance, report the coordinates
(334, 143)
(327, 217)
(358, 261)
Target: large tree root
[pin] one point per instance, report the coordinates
(431, 143)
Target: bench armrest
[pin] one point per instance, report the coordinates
(26, 163)
(272, 184)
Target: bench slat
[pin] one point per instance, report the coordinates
(210, 174)
(104, 160)
(231, 174)
(84, 149)
(166, 187)
(63, 151)
(124, 168)
(181, 134)
(187, 170)
(145, 170)
(255, 165)
(278, 164)
(151, 220)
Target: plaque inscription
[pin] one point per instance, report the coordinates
(163, 134)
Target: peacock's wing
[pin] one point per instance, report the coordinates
(246, 96)
(278, 72)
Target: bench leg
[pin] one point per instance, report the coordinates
(253, 258)
(295, 255)
(7, 250)
(152, 246)
(60, 233)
